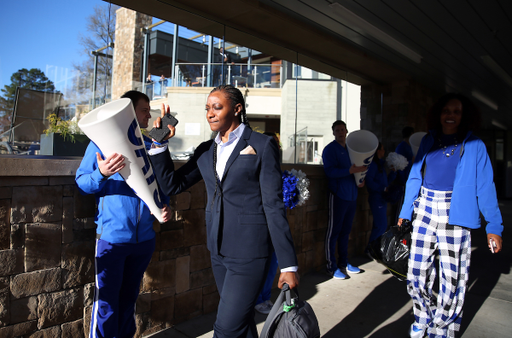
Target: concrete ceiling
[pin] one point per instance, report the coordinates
(449, 46)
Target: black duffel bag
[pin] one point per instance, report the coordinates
(392, 249)
(290, 318)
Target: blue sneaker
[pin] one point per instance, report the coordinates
(416, 331)
(353, 269)
(338, 274)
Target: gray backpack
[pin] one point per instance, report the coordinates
(290, 318)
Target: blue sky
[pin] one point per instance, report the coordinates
(42, 34)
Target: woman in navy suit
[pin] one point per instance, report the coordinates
(245, 214)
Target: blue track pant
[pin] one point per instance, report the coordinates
(119, 270)
(341, 215)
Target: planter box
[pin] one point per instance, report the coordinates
(54, 145)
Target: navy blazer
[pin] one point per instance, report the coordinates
(245, 214)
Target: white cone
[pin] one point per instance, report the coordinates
(114, 129)
(361, 146)
(415, 141)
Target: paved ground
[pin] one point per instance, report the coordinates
(375, 304)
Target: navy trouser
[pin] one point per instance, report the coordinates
(119, 270)
(269, 281)
(239, 282)
(341, 215)
(380, 217)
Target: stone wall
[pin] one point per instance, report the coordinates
(47, 236)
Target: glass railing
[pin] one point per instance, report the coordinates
(214, 74)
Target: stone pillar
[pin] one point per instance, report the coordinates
(128, 51)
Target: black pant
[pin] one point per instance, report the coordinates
(239, 282)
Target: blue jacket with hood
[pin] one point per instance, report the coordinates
(473, 188)
(122, 217)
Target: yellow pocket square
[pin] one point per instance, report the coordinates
(248, 151)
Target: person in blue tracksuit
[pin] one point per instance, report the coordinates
(377, 184)
(125, 239)
(342, 201)
(450, 184)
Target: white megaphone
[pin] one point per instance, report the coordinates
(361, 146)
(113, 128)
(415, 141)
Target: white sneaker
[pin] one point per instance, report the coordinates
(264, 307)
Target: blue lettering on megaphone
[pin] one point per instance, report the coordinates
(134, 139)
(368, 161)
(141, 152)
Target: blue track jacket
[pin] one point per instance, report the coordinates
(337, 169)
(473, 188)
(122, 217)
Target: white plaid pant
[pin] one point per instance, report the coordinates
(432, 234)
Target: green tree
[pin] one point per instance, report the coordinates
(29, 79)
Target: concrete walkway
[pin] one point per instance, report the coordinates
(375, 304)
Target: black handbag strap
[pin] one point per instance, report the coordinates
(278, 306)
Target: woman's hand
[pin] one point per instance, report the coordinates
(290, 278)
(399, 223)
(111, 165)
(166, 213)
(355, 169)
(165, 109)
(497, 239)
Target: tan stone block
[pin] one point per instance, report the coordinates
(36, 204)
(308, 241)
(201, 278)
(143, 303)
(301, 258)
(5, 317)
(87, 311)
(23, 310)
(69, 190)
(171, 239)
(172, 224)
(162, 311)
(17, 236)
(73, 329)
(33, 283)
(182, 201)
(160, 275)
(42, 245)
(51, 332)
(199, 257)
(194, 229)
(85, 206)
(15, 181)
(5, 224)
(77, 264)
(89, 294)
(19, 330)
(198, 192)
(188, 304)
(174, 253)
(209, 289)
(59, 307)
(68, 211)
(12, 262)
(182, 274)
(5, 192)
(210, 302)
(163, 293)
